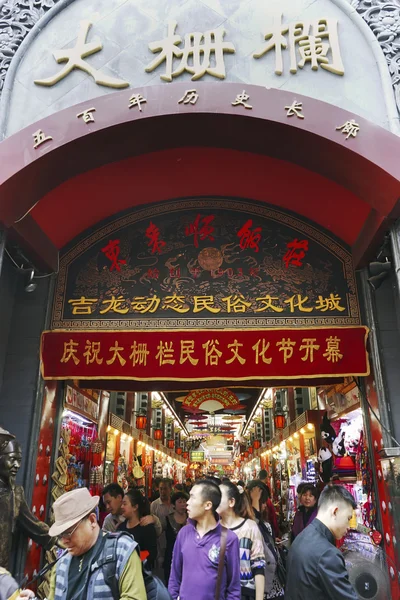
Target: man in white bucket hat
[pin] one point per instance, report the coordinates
(77, 576)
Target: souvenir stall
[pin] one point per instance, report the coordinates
(80, 453)
(350, 463)
(292, 457)
(124, 460)
(110, 466)
(142, 466)
(120, 456)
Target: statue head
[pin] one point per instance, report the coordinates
(10, 456)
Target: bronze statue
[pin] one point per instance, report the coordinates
(14, 511)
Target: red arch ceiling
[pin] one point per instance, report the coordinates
(86, 199)
(349, 186)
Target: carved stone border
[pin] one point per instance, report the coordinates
(383, 18)
(17, 19)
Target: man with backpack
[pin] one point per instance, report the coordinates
(95, 560)
(206, 560)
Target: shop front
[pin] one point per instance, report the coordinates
(202, 237)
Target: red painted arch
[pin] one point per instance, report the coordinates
(183, 172)
(349, 186)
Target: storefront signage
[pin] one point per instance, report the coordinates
(209, 262)
(313, 44)
(76, 401)
(197, 456)
(204, 355)
(349, 128)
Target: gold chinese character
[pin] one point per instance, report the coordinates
(189, 97)
(298, 304)
(83, 306)
(241, 99)
(195, 55)
(267, 304)
(314, 40)
(116, 354)
(87, 115)
(74, 57)
(136, 100)
(332, 349)
(143, 304)
(212, 354)
(139, 354)
(295, 109)
(40, 138)
(236, 303)
(261, 353)
(176, 303)
(204, 303)
(286, 346)
(70, 350)
(114, 305)
(92, 351)
(187, 349)
(165, 354)
(309, 346)
(350, 127)
(277, 41)
(330, 303)
(234, 348)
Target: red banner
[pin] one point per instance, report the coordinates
(205, 355)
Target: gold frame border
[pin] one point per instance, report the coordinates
(178, 205)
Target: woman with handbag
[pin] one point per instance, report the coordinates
(236, 514)
(275, 587)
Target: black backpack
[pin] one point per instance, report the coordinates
(107, 561)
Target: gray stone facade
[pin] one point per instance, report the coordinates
(126, 27)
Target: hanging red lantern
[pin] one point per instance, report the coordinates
(257, 444)
(171, 444)
(185, 455)
(179, 450)
(245, 454)
(280, 421)
(158, 434)
(141, 422)
(250, 449)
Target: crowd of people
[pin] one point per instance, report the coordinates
(210, 540)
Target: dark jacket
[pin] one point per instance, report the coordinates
(315, 568)
(302, 519)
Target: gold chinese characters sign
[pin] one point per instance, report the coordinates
(204, 355)
(206, 262)
(309, 43)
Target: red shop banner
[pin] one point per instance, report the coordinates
(206, 354)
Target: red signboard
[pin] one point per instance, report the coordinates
(202, 355)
